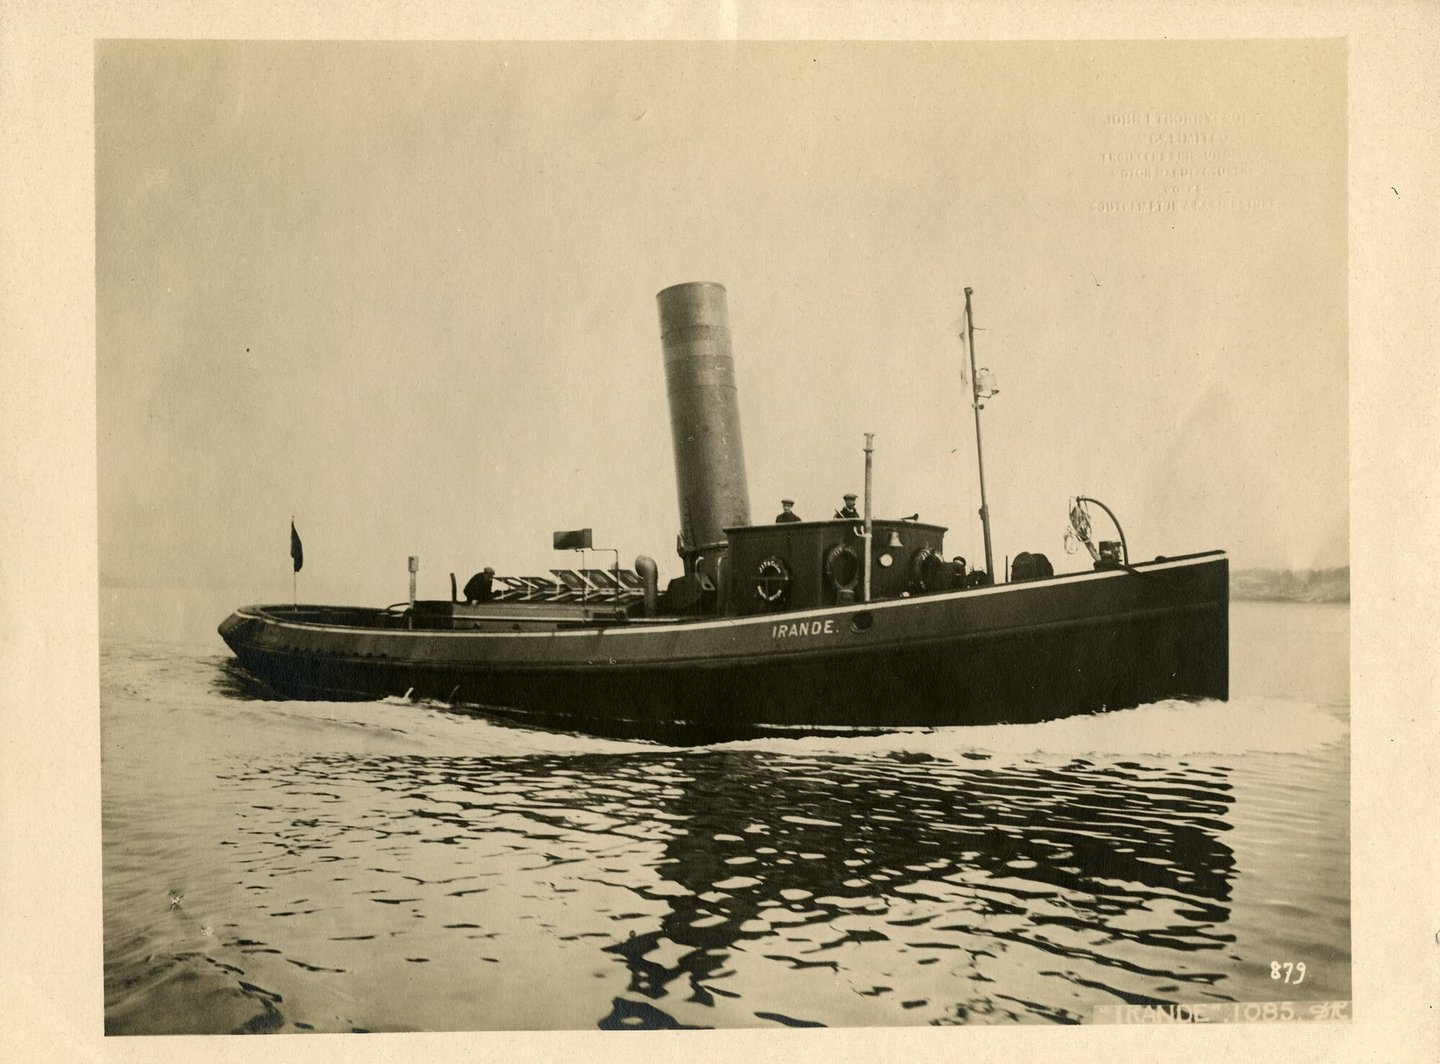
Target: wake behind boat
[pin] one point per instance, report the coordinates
(855, 624)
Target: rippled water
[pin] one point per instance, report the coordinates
(289, 866)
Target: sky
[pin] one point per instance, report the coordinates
(405, 293)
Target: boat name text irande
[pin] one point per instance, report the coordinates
(797, 628)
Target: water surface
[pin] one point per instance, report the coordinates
(294, 866)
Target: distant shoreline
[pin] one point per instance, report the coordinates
(1290, 585)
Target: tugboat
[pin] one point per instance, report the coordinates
(854, 625)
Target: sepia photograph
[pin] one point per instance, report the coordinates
(844, 532)
(728, 534)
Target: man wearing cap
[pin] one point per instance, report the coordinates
(848, 510)
(786, 515)
(478, 588)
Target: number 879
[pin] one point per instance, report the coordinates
(1286, 970)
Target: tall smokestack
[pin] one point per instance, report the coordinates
(704, 413)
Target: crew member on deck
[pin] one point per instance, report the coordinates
(848, 510)
(478, 589)
(787, 515)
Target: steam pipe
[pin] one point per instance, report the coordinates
(413, 564)
(650, 577)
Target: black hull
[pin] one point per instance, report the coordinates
(1010, 654)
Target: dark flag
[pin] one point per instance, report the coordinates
(573, 539)
(297, 552)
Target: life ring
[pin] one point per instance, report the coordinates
(929, 570)
(772, 581)
(917, 567)
(842, 567)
